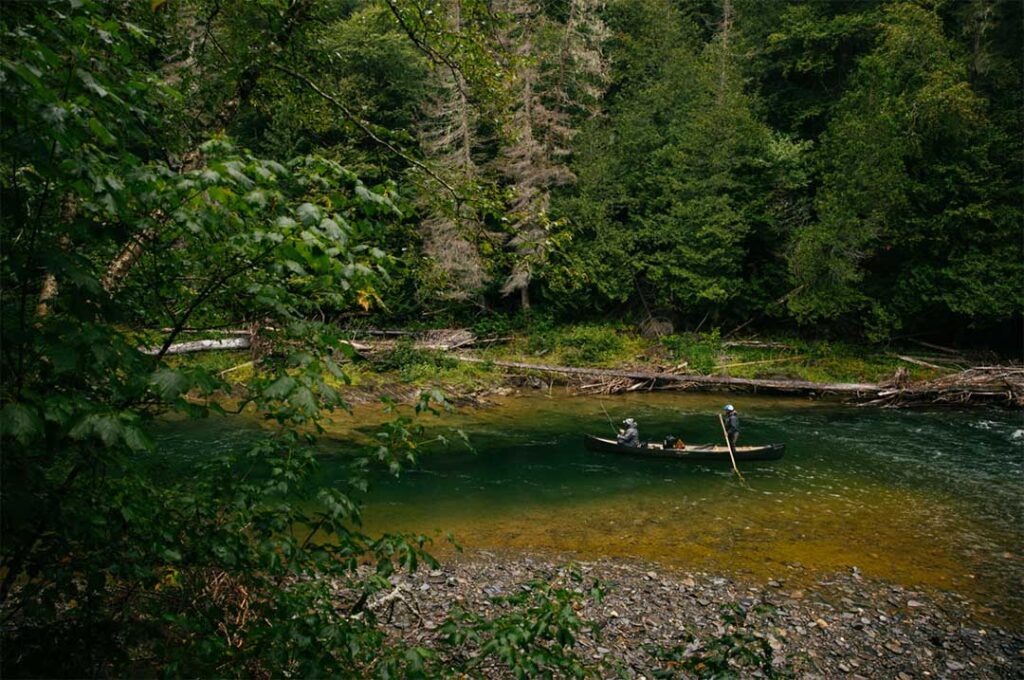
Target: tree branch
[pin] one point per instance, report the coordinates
(433, 54)
(364, 126)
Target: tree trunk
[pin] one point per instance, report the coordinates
(724, 56)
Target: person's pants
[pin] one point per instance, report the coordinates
(733, 438)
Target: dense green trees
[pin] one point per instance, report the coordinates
(681, 184)
(872, 204)
(843, 167)
(912, 216)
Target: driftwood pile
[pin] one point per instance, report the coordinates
(995, 384)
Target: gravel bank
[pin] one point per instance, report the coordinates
(842, 626)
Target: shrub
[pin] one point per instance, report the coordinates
(590, 344)
(699, 350)
(413, 364)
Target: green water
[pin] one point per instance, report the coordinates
(926, 499)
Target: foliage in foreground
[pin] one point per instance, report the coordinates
(738, 652)
(534, 633)
(113, 565)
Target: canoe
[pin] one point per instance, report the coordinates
(699, 453)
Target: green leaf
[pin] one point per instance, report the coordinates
(106, 426)
(20, 422)
(101, 132)
(136, 439)
(331, 229)
(280, 388)
(169, 383)
(304, 399)
(308, 213)
(90, 83)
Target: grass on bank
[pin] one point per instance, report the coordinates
(619, 346)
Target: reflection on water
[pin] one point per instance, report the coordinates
(922, 498)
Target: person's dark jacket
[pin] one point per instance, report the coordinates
(631, 437)
(732, 423)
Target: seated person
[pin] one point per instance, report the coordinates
(631, 435)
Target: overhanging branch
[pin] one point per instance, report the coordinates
(365, 127)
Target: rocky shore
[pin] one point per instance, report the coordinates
(657, 623)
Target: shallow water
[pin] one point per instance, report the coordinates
(922, 498)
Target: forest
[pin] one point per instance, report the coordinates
(826, 168)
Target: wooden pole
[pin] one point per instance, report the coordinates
(728, 445)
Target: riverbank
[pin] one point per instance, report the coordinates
(612, 359)
(652, 621)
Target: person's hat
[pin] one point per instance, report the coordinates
(629, 421)
(728, 407)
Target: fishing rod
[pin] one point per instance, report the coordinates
(614, 429)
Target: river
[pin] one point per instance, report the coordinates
(921, 498)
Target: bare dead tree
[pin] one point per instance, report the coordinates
(555, 82)
(448, 138)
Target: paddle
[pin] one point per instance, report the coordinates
(728, 445)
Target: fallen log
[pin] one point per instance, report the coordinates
(215, 331)
(918, 362)
(698, 380)
(947, 350)
(762, 361)
(244, 342)
(373, 331)
(1001, 384)
(756, 344)
(235, 368)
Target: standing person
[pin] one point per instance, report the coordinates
(732, 424)
(631, 436)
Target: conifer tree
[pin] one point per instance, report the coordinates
(560, 74)
(912, 212)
